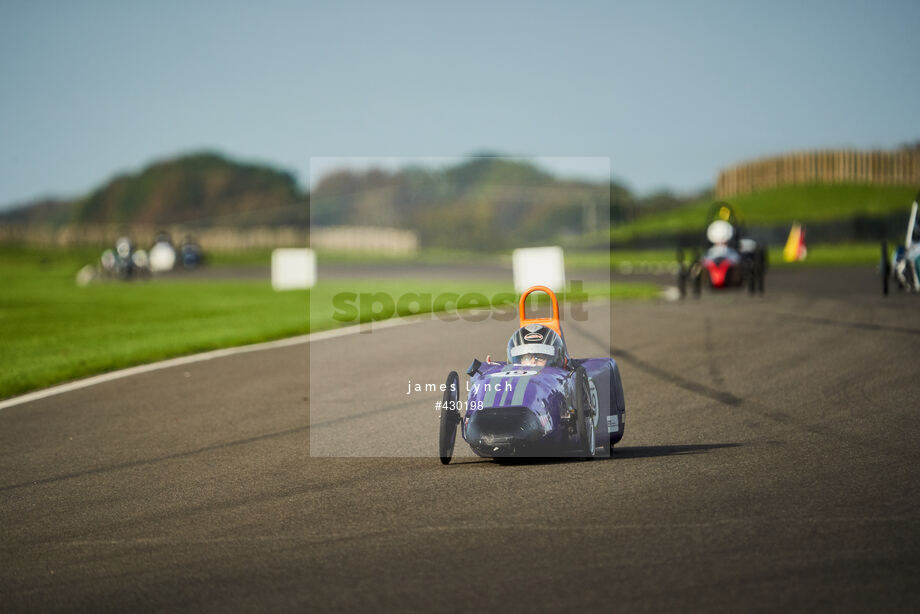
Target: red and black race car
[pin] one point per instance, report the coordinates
(729, 258)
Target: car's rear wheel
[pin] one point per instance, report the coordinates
(584, 413)
(752, 276)
(450, 418)
(682, 274)
(910, 275)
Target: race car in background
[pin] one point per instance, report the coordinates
(190, 253)
(163, 253)
(729, 258)
(125, 261)
(903, 265)
(165, 256)
(541, 402)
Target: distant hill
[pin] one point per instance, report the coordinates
(198, 189)
(480, 203)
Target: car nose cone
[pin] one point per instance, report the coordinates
(498, 428)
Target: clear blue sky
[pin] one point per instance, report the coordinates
(670, 91)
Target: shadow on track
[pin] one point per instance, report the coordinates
(652, 451)
(618, 453)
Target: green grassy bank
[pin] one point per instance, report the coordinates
(778, 206)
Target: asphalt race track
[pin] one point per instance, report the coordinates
(770, 462)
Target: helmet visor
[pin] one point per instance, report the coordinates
(540, 350)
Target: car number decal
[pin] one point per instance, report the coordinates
(513, 373)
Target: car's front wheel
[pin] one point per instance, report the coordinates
(450, 418)
(697, 280)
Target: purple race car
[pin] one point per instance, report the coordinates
(541, 402)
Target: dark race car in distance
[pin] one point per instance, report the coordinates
(729, 259)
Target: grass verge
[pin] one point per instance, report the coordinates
(842, 254)
(820, 254)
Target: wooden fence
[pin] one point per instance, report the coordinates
(835, 166)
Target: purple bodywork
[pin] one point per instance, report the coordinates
(517, 410)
